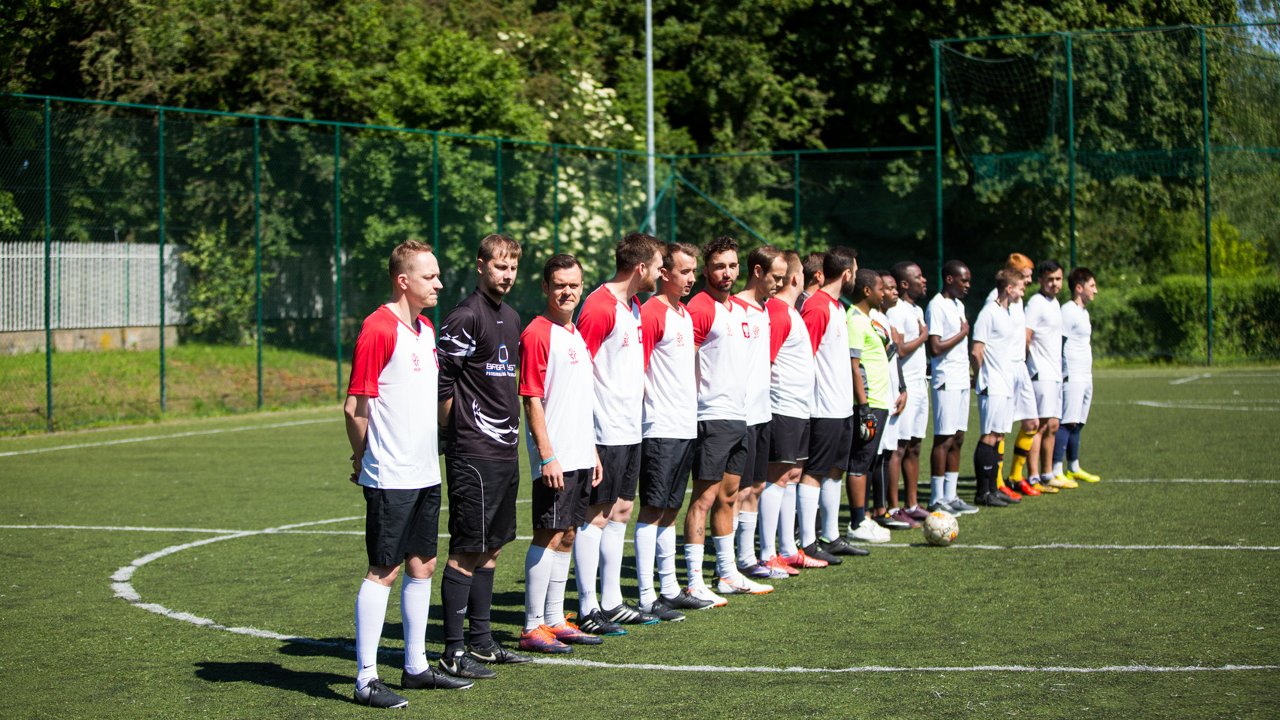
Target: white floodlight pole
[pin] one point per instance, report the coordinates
(650, 221)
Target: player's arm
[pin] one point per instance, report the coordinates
(977, 353)
(859, 389)
(356, 413)
(939, 345)
(906, 347)
(454, 343)
(552, 472)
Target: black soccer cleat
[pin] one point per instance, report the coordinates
(375, 694)
(432, 679)
(495, 654)
(816, 552)
(628, 614)
(462, 665)
(840, 546)
(597, 624)
(684, 601)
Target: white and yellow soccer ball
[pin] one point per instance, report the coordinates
(940, 529)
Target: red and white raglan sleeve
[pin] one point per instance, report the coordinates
(816, 315)
(535, 348)
(653, 323)
(374, 346)
(702, 311)
(779, 326)
(596, 319)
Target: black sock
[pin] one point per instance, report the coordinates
(454, 593)
(985, 459)
(481, 601)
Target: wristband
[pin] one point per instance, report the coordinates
(548, 460)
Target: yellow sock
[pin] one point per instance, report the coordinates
(1000, 465)
(1021, 451)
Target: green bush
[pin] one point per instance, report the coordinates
(1168, 320)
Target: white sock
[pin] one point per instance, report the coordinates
(1057, 469)
(937, 489)
(807, 516)
(770, 508)
(787, 521)
(693, 562)
(646, 548)
(554, 614)
(1046, 478)
(1075, 465)
(744, 537)
(611, 544)
(586, 560)
(415, 604)
(725, 567)
(952, 479)
(666, 546)
(537, 579)
(830, 500)
(371, 611)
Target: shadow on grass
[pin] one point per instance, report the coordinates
(316, 684)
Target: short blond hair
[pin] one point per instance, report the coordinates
(402, 256)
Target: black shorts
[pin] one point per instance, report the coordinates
(829, 440)
(621, 465)
(862, 453)
(482, 503)
(757, 465)
(562, 509)
(788, 440)
(664, 471)
(400, 523)
(721, 449)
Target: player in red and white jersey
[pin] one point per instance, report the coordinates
(720, 332)
(766, 269)
(391, 425)
(670, 427)
(907, 321)
(610, 325)
(831, 424)
(791, 400)
(555, 370)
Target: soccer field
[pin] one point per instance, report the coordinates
(208, 569)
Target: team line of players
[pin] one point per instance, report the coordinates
(775, 401)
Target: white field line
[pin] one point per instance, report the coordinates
(151, 438)
(1195, 481)
(1189, 378)
(1178, 405)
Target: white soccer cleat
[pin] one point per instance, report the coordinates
(868, 532)
(741, 585)
(702, 592)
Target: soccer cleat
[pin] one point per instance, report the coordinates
(890, 521)
(759, 571)
(495, 654)
(740, 585)
(1011, 496)
(1062, 481)
(702, 592)
(993, 499)
(1083, 475)
(684, 601)
(597, 624)
(869, 532)
(662, 612)
(776, 562)
(628, 614)
(960, 507)
(543, 640)
(943, 507)
(571, 634)
(1027, 489)
(1046, 488)
(816, 552)
(840, 546)
(802, 559)
(462, 665)
(375, 694)
(917, 513)
(901, 515)
(432, 679)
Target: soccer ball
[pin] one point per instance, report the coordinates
(940, 529)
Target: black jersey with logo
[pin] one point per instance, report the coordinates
(479, 348)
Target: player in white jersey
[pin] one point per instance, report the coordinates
(1024, 398)
(1044, 361)
(887, 472)
(555, 369)
(670, 426)
(391, 425)
(994, 369)
(1077, 377)
(906, 320)
(719, 331)
(949, 363)
(791, 396)
(766, 269)
(610, 324)
(831, 422)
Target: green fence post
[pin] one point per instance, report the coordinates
(1208, 201)
(795, 182)
(674, 229)
(337, 255)
(257, 242)
(497, 168)
(435, 209)
(555, 198)
(48, 267)
(617, 186)
(937, 152)
(160, 175)
(1071, 149)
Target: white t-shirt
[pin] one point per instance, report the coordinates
(396, 367)
(555, 365)
(943, 317)
(791, 354)
(611, 330)
(881, 319)
(1044, 320)
(759, 406)
(1077, 353)
(1017, 353)
(906, 319)
(995, 328)
(670, 373)
(829, 335)
(720, 332)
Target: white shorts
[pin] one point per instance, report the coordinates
(950, 411)
(1048, 397)
(1024, 396)
(889, 434)
(915, 418)
(1077, 396)
(995, 413)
